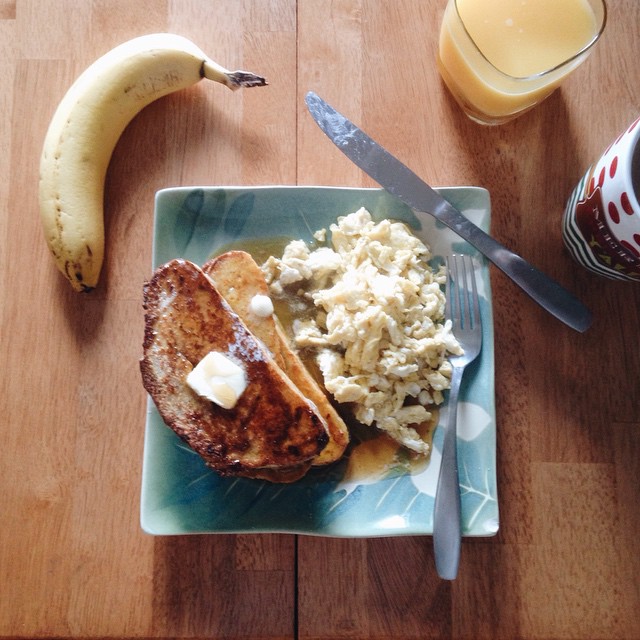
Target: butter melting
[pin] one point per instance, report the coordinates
(219, 379)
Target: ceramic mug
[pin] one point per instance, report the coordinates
(601, 222)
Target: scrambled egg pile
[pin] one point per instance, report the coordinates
(379, 329)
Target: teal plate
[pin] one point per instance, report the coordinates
(180, 495)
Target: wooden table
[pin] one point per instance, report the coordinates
(73, 559)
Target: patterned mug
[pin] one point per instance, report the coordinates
(601, 222)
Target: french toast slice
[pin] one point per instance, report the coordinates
(238, 278)
(273, 431)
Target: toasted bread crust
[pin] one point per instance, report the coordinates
(238, 278)
(272, 431)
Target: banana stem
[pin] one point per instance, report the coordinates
(245, 79)
(232, 79)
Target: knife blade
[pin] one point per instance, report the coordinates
(403, 183)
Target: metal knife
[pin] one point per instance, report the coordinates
(400, 181)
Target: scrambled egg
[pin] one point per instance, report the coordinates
(379, 329)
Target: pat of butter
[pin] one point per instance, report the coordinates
(219, 379)
(261, 306)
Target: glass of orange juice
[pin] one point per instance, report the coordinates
(500, 58)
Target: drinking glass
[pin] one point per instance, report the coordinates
(500, 58)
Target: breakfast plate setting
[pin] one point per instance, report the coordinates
(376, 488)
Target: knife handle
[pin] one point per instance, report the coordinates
(540, 287)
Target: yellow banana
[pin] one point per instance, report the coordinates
(86, 127)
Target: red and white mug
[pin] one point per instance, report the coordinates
(601, 222)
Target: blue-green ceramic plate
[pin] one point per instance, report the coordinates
(180, 495)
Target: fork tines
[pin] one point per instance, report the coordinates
(462, 296)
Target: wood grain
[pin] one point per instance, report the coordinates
(73, 560)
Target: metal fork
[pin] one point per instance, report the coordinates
(463, 309)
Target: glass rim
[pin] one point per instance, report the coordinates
(540, 74)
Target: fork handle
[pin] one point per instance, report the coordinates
(447, 530)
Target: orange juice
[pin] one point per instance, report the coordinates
(501, 57)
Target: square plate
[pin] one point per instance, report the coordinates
(180, 495)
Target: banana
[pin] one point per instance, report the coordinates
(84, 131)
